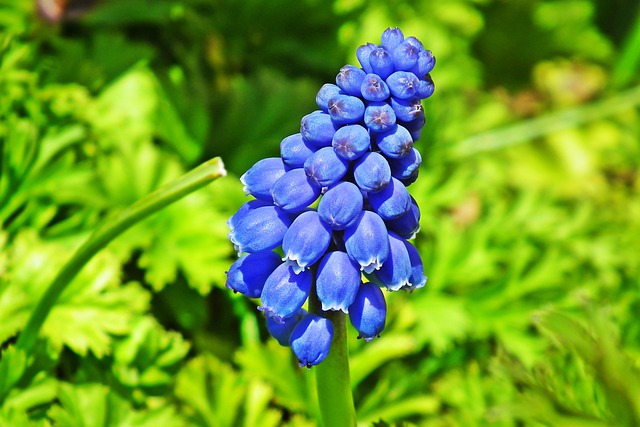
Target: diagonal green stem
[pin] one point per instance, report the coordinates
(535, 128)
(332, 374)
(162, 197)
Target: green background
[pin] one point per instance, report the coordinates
(529, 191)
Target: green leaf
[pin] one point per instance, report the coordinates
(213, 390)
(149, 356)
(95, 405)
(94, 307)
(135, 105)
(448, 321)
(13, 363)
(13, 417)
(599, 348)
(257, 406)
(275, 365)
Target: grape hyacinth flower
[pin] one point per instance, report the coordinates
(329, 227)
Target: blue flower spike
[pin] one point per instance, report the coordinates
(335, 203)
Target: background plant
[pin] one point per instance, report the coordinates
(529, 197)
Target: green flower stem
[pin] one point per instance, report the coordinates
(332, 375)
(112, 228)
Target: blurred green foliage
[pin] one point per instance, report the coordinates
(530, 197)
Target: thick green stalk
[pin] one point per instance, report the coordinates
(162, 197)
(332, 375)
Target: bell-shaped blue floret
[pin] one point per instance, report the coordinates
(326, 92)
(346, 109)
(372, 172)
(407, 225)
(395, 143)
(244, 209)
(425, 87)
(282, 331)
(392, 201)
(325, 167)
(351, 142)
(381, 62)
(294, 150)
(260, 229)
(337, 281)
(317, 128)
(379, 117)
(373, 88)
(407, 109)
(341, 205)
(414, 42)
(405, 56)
(349, 79)
(426, 62)
(285, 292)
(366, 241)
(396, 270)
(248, 274)
(294, 191)
(368, 313)
(362, 53)
(260, 177)
(306, 240)
(418, 278)
(403, 84)
(406, 169)
(311, 340)
(391, 38)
